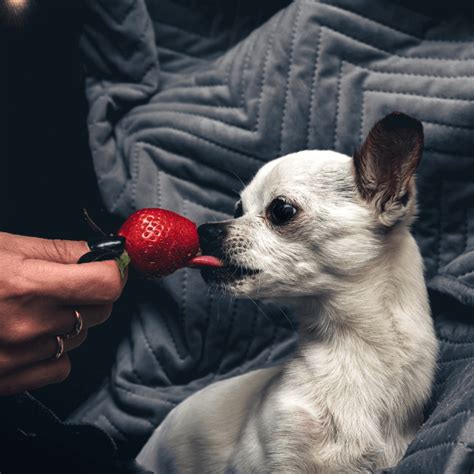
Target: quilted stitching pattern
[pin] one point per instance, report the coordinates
(188, 100)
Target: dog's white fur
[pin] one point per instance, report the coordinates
(351, 398)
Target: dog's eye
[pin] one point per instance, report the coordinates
(239, 210)
(280, 212)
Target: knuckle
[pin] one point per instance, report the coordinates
(22, 331)
(60, 248)
(22, 286)
(66, 251)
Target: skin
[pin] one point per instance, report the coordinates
(40, 286)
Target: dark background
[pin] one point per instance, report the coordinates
(46, 171)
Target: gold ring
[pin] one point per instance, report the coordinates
(79, 324)
(59, 348)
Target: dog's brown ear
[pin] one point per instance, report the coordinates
(385, 164)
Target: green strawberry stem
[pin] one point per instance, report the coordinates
(123, 261)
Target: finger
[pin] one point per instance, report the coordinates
(41, 349)
(49, 321)
(36, 376)
(63, 321)
(96, 314)
(91, 315)
(86, 284)
(53, 250)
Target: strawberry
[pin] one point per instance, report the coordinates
(159, 242)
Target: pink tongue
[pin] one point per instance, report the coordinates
(205, 261)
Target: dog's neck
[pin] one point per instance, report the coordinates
(375, 307)
(373, 334)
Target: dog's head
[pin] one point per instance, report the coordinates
(312, 219)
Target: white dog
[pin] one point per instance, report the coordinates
(329, 234)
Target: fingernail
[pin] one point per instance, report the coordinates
(115, 243)
(97, 256)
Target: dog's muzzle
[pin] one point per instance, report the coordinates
(212, 238)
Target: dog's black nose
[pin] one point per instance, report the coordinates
(211, 236)
(211, 233)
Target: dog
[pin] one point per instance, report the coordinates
(330, 235)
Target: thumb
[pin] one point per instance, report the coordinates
(53, 250)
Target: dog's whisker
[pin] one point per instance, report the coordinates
(259, 284)
(259, 308)
(231, 302)
(284, 314)
(233, 173)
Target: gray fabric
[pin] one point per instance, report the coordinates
(189, 98)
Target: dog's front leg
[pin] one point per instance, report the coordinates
(203, 434)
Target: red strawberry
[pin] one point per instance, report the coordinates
(160, 241)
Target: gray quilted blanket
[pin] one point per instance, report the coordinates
(189, 98)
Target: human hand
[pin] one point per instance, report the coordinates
(41, 286)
